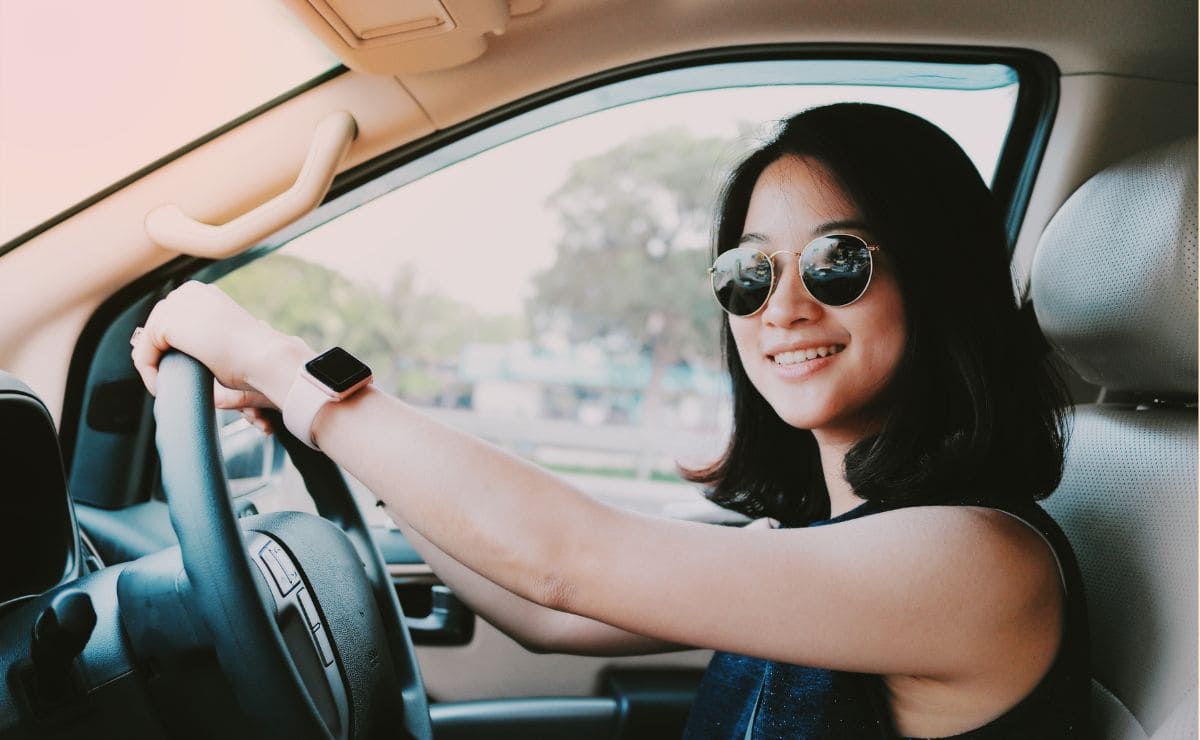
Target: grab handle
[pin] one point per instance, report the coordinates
(169, 227)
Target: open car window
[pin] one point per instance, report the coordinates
(542, 283)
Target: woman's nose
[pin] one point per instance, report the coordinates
(790, 302)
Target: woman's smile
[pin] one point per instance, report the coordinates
(802, 362)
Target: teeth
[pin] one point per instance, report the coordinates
(812, 353)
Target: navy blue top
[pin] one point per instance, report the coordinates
(791, 701)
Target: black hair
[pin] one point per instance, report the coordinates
(975, 411)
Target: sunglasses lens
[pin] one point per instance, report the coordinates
(741, 280)
(836, 269)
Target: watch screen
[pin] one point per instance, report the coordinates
(338, 369)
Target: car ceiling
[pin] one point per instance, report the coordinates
(566, 39)
(1134, 48)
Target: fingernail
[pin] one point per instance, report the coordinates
(133, 338)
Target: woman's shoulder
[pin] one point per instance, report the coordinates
(1014, 547)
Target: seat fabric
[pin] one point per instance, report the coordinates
(1127, 502)
(1114, 289)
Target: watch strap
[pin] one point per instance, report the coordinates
(301, 406)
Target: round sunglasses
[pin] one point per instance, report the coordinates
(835, 269)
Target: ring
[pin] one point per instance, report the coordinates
(133, 338)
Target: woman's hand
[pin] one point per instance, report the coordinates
(253, 364)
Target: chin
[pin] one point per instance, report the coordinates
(803, 418)
(825, 420)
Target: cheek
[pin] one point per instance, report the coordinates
(885, 357)
(888, 337)
(745, 340)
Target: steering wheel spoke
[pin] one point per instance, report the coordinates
(304, 632)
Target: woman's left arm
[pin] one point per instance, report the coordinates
(929, 591)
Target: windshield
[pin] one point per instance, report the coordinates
(91, 92)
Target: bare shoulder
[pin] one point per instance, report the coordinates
(1011, 576)
(961, 530)
(1018, 565)
(997, 572)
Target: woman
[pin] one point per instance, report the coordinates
(892, 411)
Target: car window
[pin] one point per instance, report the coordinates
(543, 284)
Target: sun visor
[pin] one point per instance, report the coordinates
(409, 36)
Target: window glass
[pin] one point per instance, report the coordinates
(543, 285)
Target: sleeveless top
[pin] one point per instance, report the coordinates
(744, 698)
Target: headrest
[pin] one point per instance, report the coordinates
(1114, 278)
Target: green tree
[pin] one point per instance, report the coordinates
(630, 267)
(412, 340)
(315, 303)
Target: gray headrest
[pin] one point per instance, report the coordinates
(1114, 279)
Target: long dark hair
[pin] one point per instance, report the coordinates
(975, 412)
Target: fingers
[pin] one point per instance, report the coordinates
(143, 363)
(197, 319)
(230, 398)
(256, 418)
(149, 343)
(145, 354)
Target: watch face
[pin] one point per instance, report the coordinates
(338, 369)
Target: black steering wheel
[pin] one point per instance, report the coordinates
(301, 613)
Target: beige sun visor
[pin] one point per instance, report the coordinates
(408, 36)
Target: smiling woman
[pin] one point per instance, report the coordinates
(989, 615)
(515, 242)
(938, 283)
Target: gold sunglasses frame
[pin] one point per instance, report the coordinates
(871, 249)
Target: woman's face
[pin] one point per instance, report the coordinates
(795, 201)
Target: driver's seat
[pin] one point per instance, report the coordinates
(1114, 288)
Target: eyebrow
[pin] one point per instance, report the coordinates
(825, 228)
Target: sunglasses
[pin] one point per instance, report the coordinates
(835, 270)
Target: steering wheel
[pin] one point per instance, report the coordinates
(303, 618)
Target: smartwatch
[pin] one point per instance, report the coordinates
(330, 377)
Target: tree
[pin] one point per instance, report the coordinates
(407, 337)
(630, 267)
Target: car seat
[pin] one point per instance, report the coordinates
(1113, 285)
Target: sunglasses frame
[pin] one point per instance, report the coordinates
(871, 249)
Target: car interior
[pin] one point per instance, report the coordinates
(447, 187)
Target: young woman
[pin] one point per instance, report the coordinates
(894, 421)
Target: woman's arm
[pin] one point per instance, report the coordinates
(952, 593)
(537, 628)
